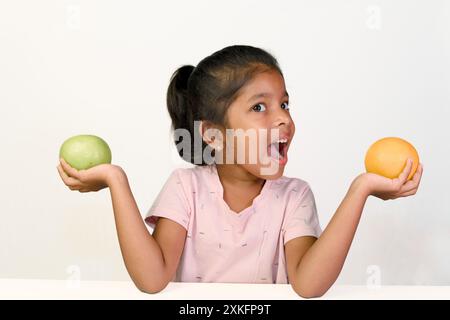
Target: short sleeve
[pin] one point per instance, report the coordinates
(302, 220)
(171, 202)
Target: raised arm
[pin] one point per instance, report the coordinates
(314, 265)
(150, 260)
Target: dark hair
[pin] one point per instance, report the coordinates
(205, 92)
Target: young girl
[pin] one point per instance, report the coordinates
(233, 221)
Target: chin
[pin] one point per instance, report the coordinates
(258, 170)
(279, 173)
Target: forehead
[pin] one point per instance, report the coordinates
(267, 82)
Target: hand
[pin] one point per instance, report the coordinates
(388, 189)
(92, 179)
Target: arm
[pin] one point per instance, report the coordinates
(314, 265)
(322, 259)
(150, 260)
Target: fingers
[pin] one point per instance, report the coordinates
(406, 171)
(401, 179)
(411, 187)
(418, 175)
(72, 183)
(67, 168)
(408, 193)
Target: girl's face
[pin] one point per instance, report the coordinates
(261, 112)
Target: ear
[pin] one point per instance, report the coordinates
(211, 134)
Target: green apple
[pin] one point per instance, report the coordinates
(85, 151)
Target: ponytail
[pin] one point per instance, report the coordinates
(182, 113)
(177, 98)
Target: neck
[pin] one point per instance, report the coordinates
(237, 176)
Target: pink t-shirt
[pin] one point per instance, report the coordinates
(225, 246)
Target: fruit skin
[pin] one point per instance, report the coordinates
(387, 157)
(85, 151)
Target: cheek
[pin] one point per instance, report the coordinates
(292, 125)
(248, 146)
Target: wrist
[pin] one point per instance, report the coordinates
(360, 184)
(114, 175)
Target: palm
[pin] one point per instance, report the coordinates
(93, 179)
(386, 188)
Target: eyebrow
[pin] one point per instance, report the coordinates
(264, 94)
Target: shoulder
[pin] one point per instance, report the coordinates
(295, 192)
(193, 177)
(292, 185)
(199, 172)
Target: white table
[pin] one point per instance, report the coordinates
(117, 290)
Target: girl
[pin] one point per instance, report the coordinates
(233, 221)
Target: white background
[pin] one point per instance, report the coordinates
(356, 71)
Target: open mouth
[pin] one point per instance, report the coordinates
(278, 149)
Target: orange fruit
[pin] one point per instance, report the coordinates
(388, 156)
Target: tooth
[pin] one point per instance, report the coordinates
(280, 141)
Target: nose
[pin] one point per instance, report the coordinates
(281, 117)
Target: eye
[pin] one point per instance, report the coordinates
(286, 105)
(259, 107)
